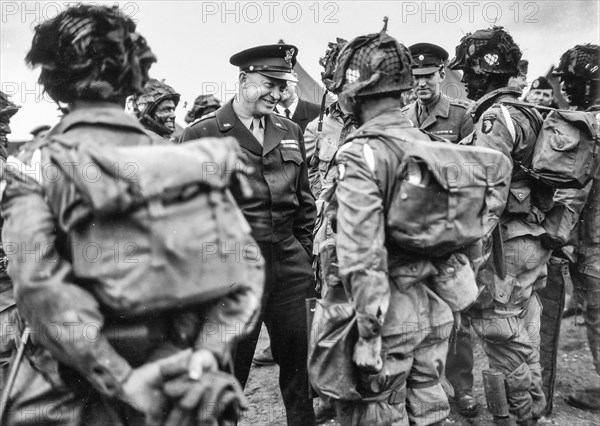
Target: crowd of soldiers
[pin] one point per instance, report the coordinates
(321, 206)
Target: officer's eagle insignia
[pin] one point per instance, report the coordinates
(289, 54)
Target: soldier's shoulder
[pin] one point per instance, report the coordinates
(204, 118)
(461, 103)
(408, 107)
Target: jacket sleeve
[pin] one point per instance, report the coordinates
(228, 321)
(362, 254)
(65, 317)
(311, 137)
(188, 134)
(491, 131)
(304, 221)
(466, 126)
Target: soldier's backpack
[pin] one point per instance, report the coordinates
(151, 227)
(444, 191)
(567, 147)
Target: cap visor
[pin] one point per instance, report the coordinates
(279, 75)
(425, 71)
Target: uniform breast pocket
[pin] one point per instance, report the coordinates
(292, 160)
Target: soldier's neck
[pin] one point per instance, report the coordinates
(371, 108)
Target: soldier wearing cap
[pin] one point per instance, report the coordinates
(281, 213)
(541, 93)
(39, 132)
(434, 111)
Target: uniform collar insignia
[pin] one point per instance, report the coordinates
(226, 124)
(278, 124)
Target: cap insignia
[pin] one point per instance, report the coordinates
(289, 54)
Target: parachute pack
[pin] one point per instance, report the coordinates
(440, 204)
(567, 147)
(150, 227)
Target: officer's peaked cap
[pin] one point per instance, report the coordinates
(272, 60)
(427, 58)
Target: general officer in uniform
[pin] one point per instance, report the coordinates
(434, 111)
(281, 213)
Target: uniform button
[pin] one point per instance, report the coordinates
(413, 268)
(403, 196)
(520, 196)
(450, 270)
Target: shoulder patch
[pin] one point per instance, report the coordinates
(487, 122)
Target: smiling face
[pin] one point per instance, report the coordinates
(541, 97)
(259, 94)
(165, 114)
(4, 129)
(427, 86)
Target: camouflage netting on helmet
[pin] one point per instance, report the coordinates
(580, 61)
(490, 51)
(7, 108)
(203, 104)
(372, 65)
(329, 61)
(92, 53)
(153, 93)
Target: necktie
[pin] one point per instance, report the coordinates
(422, 114)
(257, 130)
(287, 113)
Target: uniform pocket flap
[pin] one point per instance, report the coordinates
(291, 155)
(327, 149)
(520, 194)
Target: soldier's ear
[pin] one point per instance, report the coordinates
(442, 73)
(242, 77)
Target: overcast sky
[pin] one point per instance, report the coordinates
(194, 40)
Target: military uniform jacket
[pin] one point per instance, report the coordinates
(66, 317)
(281, 204)
(321, 147)
(376, 271)
(448, 118)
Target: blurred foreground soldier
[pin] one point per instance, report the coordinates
(155, 108)
(8, 312)
(434, 111)
(579, 259)
(141, 362)
(507, 313)
(203, 104)
(541, 93)
(39, 132)
(397, 371)
(281, 213)
(292, 107)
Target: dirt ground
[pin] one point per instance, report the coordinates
(575, 371)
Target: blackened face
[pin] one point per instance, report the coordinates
(579, 92)
(4, 129)
(165, 114)
(474, 83)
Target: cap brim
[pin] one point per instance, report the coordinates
(288, 76)
(425, 71)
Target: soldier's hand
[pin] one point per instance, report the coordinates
(367, 355)
(202, 361)
(142, 389)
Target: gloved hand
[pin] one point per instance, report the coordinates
(367, 355)
(552, 242)
(143, 388)
(216, 396)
